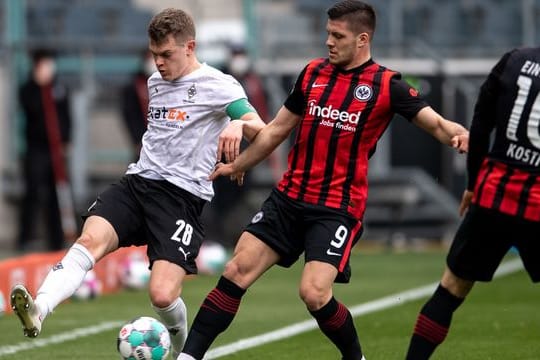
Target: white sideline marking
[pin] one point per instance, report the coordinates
(59, 338)
(295, 329)
(362, 309)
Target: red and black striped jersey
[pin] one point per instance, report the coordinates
(504, 170)
(508, 189)
(344, 113)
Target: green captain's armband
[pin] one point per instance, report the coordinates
(239, 108)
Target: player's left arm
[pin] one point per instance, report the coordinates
(406, 101)
(246, 124)
(446, 131)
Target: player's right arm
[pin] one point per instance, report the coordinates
(484, 121)
(482, 125)
(246, 124)
(268, 138)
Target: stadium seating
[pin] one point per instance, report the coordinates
(98, 25)
(448, 27)
(407, 203)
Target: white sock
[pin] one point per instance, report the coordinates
(174, 317)
(184, 356)
(63, 279)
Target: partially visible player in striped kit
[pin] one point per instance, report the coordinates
(340, 105)
(502, 198)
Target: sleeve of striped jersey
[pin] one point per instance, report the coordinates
(295, 102)
(483, 122)
(404, 99)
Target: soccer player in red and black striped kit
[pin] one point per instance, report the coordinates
(340, 106)
(502, 198)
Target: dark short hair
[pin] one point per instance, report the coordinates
(360, 16)
(40, 54)
(173, 22)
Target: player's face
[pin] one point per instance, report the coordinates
(343, 44)
(172, 58)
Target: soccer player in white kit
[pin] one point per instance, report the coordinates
(158, 202)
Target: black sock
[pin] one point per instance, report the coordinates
(336, 322)
(432, 324)
(215, 315)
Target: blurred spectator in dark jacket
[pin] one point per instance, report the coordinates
(241, 67)
(226, 210)
(135, 102)
(45, 104)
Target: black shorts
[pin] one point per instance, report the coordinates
(483, 239)
(154, 213)
(291, 227)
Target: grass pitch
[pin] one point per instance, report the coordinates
(499, 320)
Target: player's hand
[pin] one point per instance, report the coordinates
(229, 141)
(222, 169)
(465, 202)
(461, 142)
(239, 178)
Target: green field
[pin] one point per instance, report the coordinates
(498, 321)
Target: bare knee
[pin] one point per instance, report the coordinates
(235, 272)
(455, 285)
(251, 259)
(314, 296)
(86, 240)
(93, 245)
(162, 296)
(166, 279)
(98, 237)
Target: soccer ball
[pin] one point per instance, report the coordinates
(90, 287)
(211, 259)
(134, 272)
(144, 338)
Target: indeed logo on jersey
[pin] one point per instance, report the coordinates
(162, 113)
(333, 117)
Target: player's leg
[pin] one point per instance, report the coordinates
(479, 245)
(98, 238)
(435, 316)
(334, 319)
(165, 288)
(113, 216)
(528, 246)
(251, 259)
(328, 240)
(175, 233)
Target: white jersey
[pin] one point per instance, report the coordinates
(185, 118)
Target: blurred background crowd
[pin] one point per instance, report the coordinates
(88, 58)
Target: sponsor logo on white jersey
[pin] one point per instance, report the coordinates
(163, 113)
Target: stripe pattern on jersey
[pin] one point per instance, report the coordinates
(508, 190)
(328, 162)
